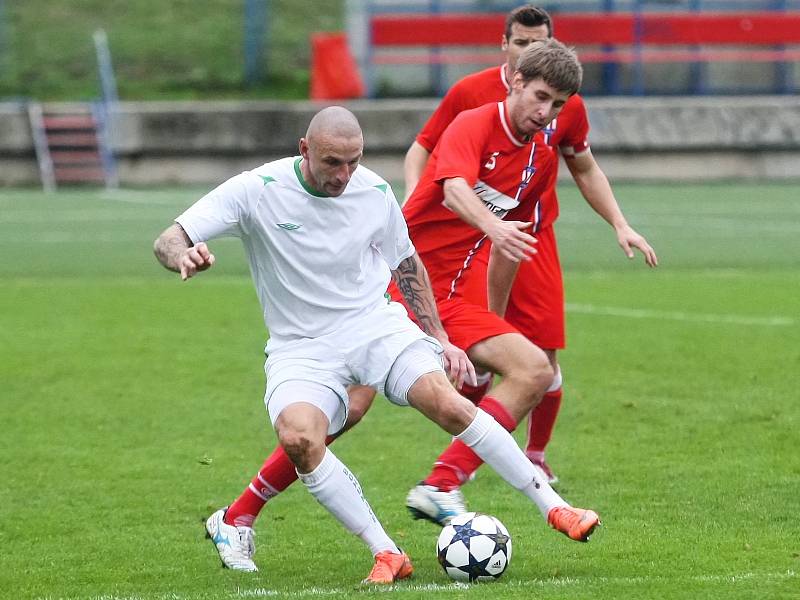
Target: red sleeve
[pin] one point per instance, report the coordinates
(461, 147)
(449, 108)
(576, 133)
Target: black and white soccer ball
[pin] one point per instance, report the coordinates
(474, 547)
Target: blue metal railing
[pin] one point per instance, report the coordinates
(256, 38)
(104, 110)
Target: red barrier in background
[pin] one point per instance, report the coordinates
(608, 28)
(334, 73)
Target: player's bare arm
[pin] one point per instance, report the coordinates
(414, 284)
(413, 166)
(597, 192)
(175, 251)
(507, 236)
(500, 277)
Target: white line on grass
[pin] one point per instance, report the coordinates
(75, 216)
(454, 587)
(151, 197)
(65, 237)
(642, 313)
(706, 223)
(540, 583)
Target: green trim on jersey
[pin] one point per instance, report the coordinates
(267, 179)
(304, 183)
(382, 187)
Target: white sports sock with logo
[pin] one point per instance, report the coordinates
(499, 450)
(338, 490)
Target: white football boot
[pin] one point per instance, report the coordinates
(429, 502)
(236, 545)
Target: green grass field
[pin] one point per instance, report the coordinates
(132, 408)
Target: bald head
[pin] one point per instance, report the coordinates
(331, 150)
(334, 121)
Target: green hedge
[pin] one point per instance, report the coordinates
(160, 49)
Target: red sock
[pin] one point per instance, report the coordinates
(276, 475)
(475, 393)
(542, 421)
(455, 465)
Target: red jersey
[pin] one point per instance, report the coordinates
(569, 131)
(508, 174)
(472, 91)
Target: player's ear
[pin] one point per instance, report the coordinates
(504, 43)
(303, 148)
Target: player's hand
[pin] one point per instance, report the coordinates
(458, 366)
(511, 240)
(195, 258)
(629, 239)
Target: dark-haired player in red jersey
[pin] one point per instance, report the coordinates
(536, 304)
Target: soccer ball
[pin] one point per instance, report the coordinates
(474, 547)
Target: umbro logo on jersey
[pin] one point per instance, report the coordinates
(288, 226)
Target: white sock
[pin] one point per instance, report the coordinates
(338, 490)
(499, 450)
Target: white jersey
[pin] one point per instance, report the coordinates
(318, 262)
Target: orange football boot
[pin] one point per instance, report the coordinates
(389, 567)
(576, 523)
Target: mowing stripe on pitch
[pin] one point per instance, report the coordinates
(641, 313)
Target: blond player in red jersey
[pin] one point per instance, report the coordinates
(494, 167)
(536, 303)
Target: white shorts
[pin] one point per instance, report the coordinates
(383, 350)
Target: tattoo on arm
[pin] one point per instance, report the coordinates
(170, 245)
(414, 284)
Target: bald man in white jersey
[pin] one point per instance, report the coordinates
(324, 236)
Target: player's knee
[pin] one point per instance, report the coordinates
(434, 397)
(455, 412)
(304, 452)
(533, 373)
(301, 446)
(543, 373)
(296, 443)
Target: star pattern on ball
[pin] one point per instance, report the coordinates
(464, 533)
(500, 541)
(476, 568)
